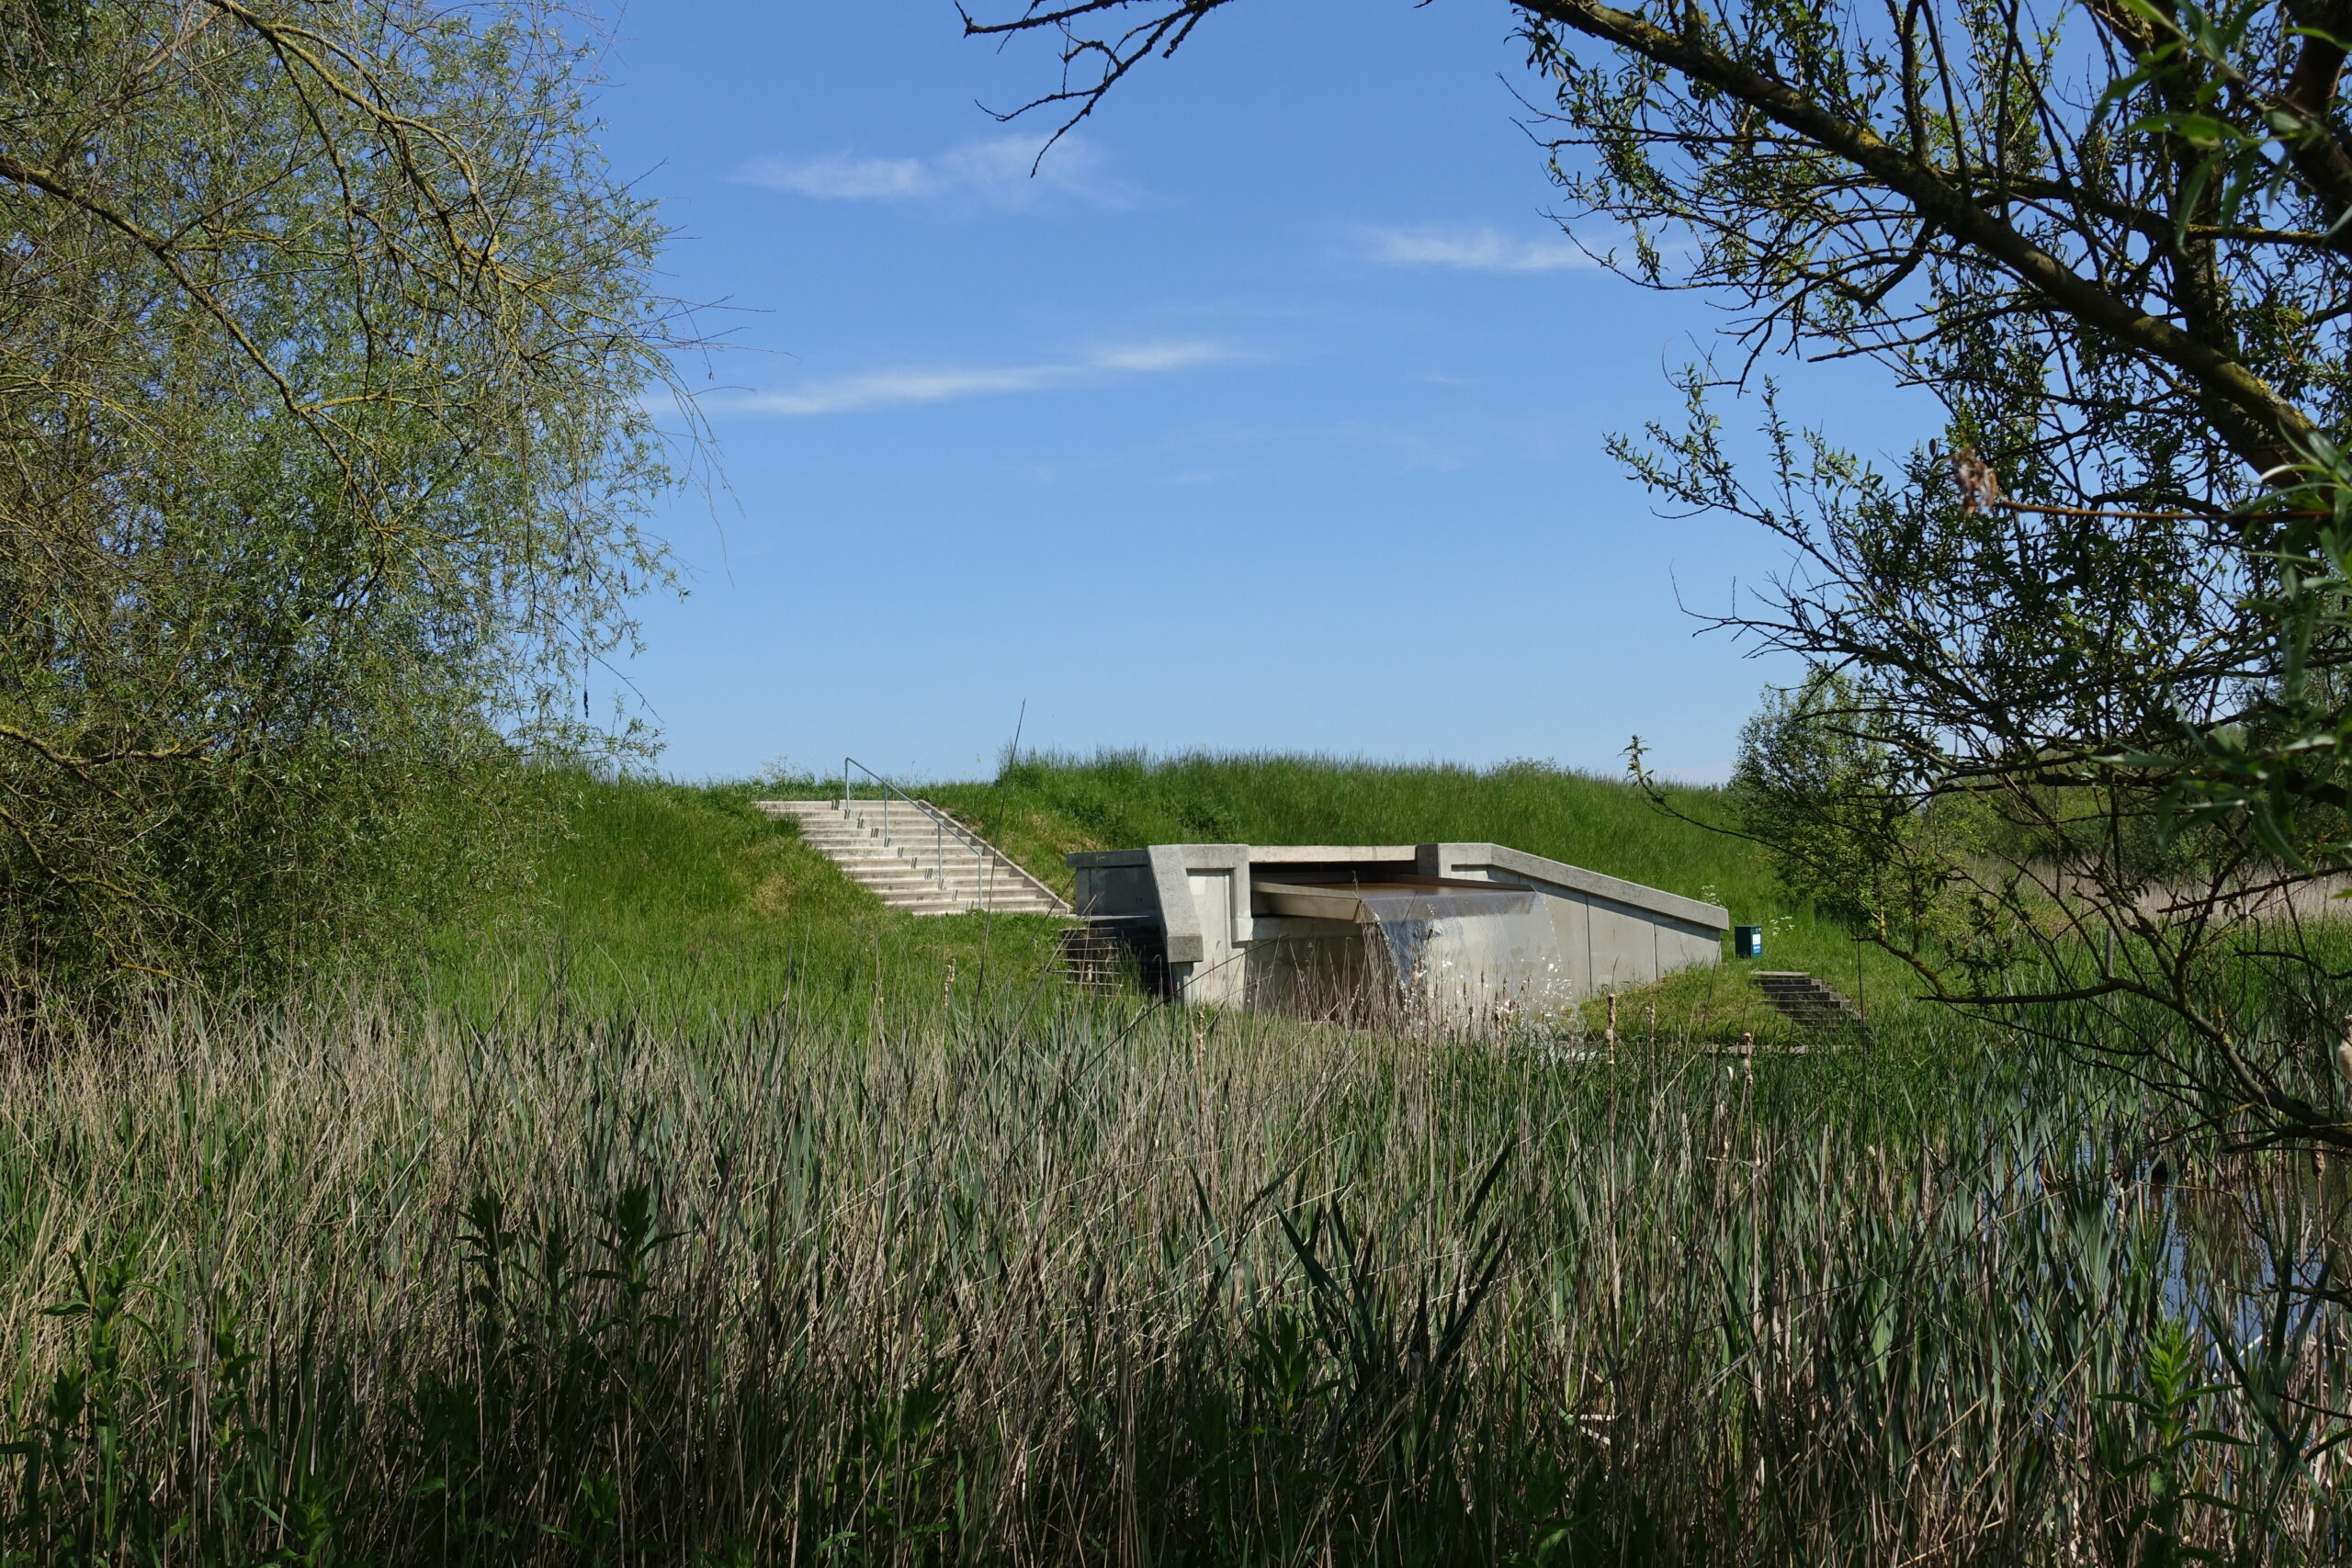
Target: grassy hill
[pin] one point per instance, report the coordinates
(680, 901)
(1043, 807)
(680, 904)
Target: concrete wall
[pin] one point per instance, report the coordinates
(1612, 934)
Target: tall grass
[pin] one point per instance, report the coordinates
(1014, 1282)
(710, 1214)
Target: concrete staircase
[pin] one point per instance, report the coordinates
(1803, 1000)
(927, 864)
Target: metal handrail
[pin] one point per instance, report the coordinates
(982, 882)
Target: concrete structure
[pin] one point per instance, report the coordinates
(1310, 928)
(917, 858)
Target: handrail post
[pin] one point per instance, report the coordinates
(983, 871)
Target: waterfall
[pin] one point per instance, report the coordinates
(1469, 960)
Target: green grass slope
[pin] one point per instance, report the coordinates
(681, 904)
(1043, 807)
(1048, 806)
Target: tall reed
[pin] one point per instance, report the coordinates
(1028, 1283)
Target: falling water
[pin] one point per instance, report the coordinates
(1467, 959)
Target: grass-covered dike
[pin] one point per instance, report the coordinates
(697, 1209)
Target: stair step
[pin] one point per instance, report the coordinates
(1803, 999)
(926, 866)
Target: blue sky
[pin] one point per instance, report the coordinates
(1268, 416)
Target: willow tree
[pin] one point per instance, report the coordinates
(325, 337)
(2078, 721)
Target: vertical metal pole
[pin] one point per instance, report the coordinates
(938, 855)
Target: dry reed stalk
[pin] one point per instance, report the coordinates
(1043, 1284)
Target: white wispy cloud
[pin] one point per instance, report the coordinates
(1475, 248)
(841, 178)
(996, 173)
(905, 388)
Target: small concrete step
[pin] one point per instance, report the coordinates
(915, 862)
(1801, 1000)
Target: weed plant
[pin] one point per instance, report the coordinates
(1006, 1281)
